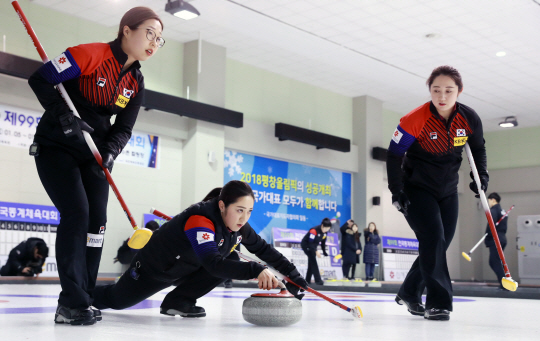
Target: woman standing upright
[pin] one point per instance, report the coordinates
(351, 248)
(102, 80)
(423, 162)
(371, 250)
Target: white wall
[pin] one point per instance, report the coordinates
(516, 186)
(258, 138)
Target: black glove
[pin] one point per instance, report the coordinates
(401, 202)
(484, 179)
(107, 160)
(72, 126)
(298, 279)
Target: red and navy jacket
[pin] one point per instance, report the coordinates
(93, 77)
(312, 239)
(198, 238)
(425, 150)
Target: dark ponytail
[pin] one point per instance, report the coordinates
(231, 192)
(213, 193)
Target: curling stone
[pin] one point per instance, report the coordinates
(333, 282)
(346, 282)
(275, 310)
(374, 284)
(358, 283)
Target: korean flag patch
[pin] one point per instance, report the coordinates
(128, 93)
(461, 132)
(61, 63)
(238, 240)
(204, 237)
(311, 236)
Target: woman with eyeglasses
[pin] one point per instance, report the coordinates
(102, 80)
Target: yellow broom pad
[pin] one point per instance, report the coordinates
(139, 238)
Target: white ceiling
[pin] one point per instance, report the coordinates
(369, 47)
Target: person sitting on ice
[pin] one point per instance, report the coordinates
(26, 259)
(195, 252)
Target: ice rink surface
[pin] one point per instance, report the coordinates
(27, 313)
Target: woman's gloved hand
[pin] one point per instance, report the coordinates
(107, 160)
(298, 279)
(401, 202)
(73, 127)
(484, 179)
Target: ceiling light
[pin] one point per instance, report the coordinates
(181, 9)
(432, 36)
(500, 54)
(509, 122)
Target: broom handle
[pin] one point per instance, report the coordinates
(497, 224)
(486, 210)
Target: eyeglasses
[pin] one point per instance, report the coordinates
(152, 36)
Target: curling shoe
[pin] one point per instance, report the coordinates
(97, 313)
(77, 316)
(184, 310)
(413, 308)
(437, 314)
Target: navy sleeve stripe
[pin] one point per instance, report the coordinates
(51, 74)
(205, 249)
(404, 142)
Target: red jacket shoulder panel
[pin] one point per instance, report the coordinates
(90, 56)
(199, 221)
(414, 121)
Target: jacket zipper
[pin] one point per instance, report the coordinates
(120, 76)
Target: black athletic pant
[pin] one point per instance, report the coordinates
(433, 220)
(495, 262)
(129, 291)
(10, 269)
(313, 267)
(346, 267)
(80, 193)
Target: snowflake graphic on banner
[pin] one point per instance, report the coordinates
(232, 159)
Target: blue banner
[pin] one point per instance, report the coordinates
(149, 217)
(399, 243)
(11, 211)
(289, 195)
